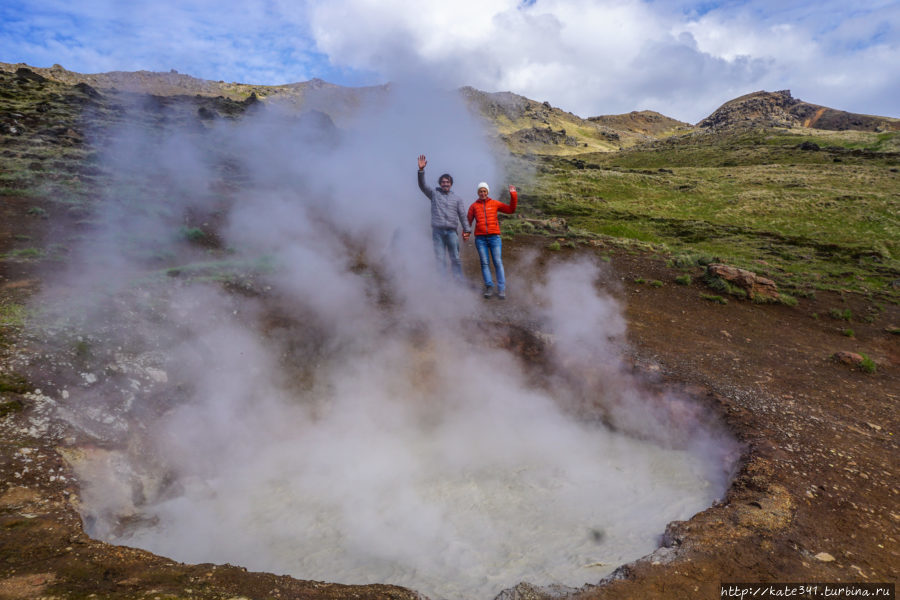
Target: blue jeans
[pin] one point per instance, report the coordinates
(446, 242)
(490, 244)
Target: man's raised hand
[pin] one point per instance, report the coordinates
(422, 162)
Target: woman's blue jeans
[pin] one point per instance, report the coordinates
(491, 244)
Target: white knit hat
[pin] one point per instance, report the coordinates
(483, 185)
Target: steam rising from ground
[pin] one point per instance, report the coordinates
(354, 418)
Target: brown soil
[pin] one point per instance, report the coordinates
(816, 497)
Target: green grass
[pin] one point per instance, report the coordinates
(841, 315)
(683, 279)
(714, 298)
(24, 254)
(748, 200)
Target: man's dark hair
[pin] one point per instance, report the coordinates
(446, 176)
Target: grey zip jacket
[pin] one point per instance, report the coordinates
(446, 209)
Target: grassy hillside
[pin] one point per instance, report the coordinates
(812, 209)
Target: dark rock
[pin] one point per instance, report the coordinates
(27, 74)
(87, 90)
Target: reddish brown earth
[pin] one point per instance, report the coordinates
(815, 499)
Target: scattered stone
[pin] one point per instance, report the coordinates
(824, 557)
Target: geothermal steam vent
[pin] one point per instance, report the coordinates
(305, 395)
(425, 454)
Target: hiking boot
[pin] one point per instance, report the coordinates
(502, 294)
(488, 291)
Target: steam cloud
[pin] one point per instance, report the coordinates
(349, 415)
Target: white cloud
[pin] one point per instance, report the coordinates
(588, 56)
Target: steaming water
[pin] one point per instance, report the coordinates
(451, 510)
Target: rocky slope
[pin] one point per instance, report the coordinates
(780, 109)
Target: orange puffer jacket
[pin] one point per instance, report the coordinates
(484, 212)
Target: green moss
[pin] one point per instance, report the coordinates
(12, 314)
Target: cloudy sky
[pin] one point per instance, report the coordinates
(680, 57)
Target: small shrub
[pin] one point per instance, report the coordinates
(37, 211)
(606, 258)
(571, 244)
(683, 279)
(848, 333)
(868, 365)
(713, 298)
(815, 316)
(554, 246)
(656, 283)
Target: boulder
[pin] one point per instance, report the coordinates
(847, 358)
(755, 285)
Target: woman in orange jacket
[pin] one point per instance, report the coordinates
(487, 235)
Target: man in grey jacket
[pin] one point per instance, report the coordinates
(447, 209)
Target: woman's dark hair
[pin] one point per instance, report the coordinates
(446, 176)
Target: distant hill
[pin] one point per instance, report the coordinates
(523, 125)
(644, 122)
(335, 100)
(529, 126)
(780, 109)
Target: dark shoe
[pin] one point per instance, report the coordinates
(502, 294)
(488, 291)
